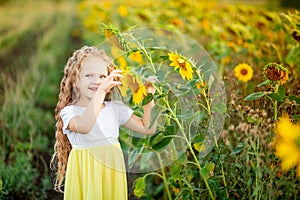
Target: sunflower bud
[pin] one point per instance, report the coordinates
(276, 73)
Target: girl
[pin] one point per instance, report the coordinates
(87, 151)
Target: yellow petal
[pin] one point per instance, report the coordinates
(139, 94)
(283, 149)
(137, 57)
(290, 160)
(122, 63)
(286, 129)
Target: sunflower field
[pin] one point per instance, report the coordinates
(227, 79)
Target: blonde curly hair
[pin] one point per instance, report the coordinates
(70, 94)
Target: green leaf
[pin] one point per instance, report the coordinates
(266, 82)
(147, 99)
(139, 187)
(281, 91)
(162, 139)
(255, 95)
(155, 112)
(164, 57)
(275, 96)
(161, 75)
(198, 138)
(207, 170)
(175, 171)
(237, 149)
(204, 173)
(162, 95)
(220, 108)
(162, 144)
(156, 138)
(158, 48)
(279, 95)
(294, 98)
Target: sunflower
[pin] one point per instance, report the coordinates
(115, 37)
(182, 64)
(133, 83)
(122, 63)
(112, 35)
(122, 10)
(243, 72)
(287, 143)
(139, 94)
(108, 32)
(276, 73)
(137, 57)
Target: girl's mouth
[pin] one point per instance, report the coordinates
(94, 89)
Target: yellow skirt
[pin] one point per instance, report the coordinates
(96, 173)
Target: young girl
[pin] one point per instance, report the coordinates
(87, 154)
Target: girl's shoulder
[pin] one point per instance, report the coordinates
(115, 103)
(72, 109)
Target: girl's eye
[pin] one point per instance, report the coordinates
(102, 76)
(88, 75)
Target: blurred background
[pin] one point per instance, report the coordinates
(37, 37)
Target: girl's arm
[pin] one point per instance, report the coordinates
(85, 122)
(141, 125)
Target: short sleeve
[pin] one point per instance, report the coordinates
(122, 111)
(66, 114)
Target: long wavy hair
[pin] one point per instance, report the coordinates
(70, 94)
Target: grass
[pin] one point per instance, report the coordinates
(27, 122)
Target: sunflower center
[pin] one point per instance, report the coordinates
(244, 72)
(182, 66)
(275, 74)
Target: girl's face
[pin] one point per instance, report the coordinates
(93, 73)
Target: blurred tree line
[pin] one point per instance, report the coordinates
(290, 3)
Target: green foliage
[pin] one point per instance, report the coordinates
(255, 95)
(161, 139)
(207, 170)
(17, 175)
(139, 187)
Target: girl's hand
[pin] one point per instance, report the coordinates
(149, 84)
(150, 88)
(111, 81)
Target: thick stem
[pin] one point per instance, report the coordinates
(275, 110)
(164, 177)
(276, 103)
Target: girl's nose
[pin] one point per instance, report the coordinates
(96, 80)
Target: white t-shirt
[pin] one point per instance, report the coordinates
(110, 118)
